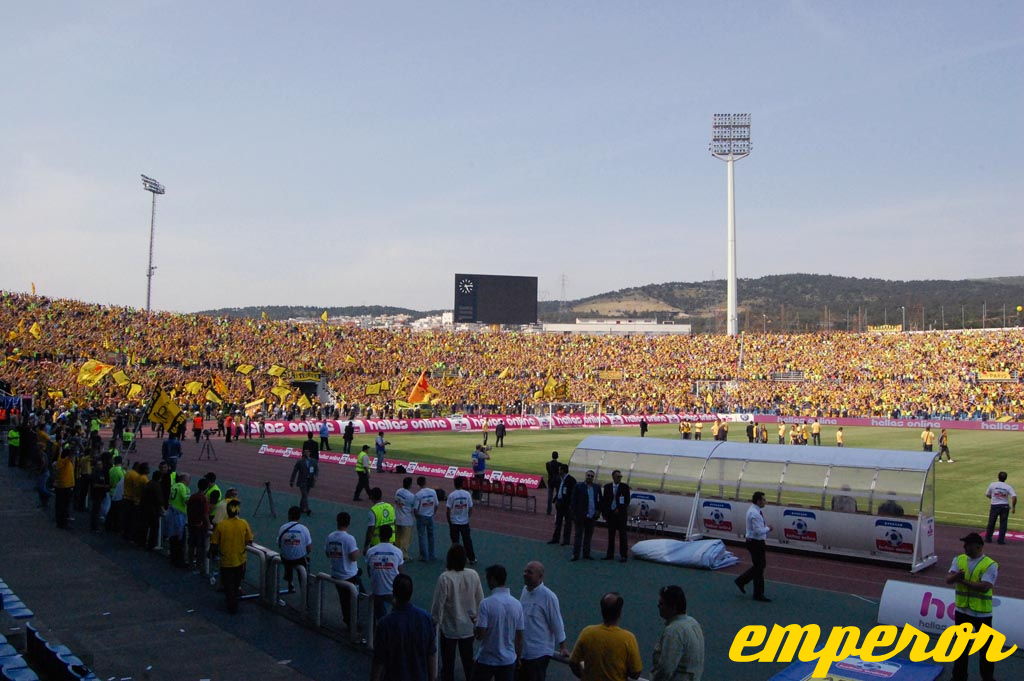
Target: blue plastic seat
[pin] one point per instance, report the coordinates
(22, 674)
(12, 662)
(21, 613)
(7, 650)
(33, 640)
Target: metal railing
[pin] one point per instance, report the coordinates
(322, 580)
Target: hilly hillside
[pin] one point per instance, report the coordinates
(808, 302)
(780, 303)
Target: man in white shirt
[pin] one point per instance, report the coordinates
(499, 628)
(405, 504)
(425, 508)
(1004, 500)
(343, 552)
(544, 629)
(295, 545)
(757, 533)
(383, 562)
(459, 508)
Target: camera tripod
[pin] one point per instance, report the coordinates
(269, 496)
(207, 452)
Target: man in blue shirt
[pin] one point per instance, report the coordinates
(403, 646)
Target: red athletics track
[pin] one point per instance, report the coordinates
(240, 463)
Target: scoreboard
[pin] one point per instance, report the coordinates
(495, 299)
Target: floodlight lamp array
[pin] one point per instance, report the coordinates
(151, 185)
(730, 135)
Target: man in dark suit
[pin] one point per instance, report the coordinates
(615, 502)
(586, 504)
(562, 494)
(552, 467)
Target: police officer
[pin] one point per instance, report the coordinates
(973, 574)
(381, 513)
(363, 471)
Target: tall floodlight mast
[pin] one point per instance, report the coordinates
(154, 187)
(730, 141)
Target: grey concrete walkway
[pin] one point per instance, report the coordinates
(130, 614)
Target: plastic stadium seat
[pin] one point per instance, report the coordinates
(523, 493)
(22, 674)
(12, 662)
(7, 650)
(34, 641)
(21, 613)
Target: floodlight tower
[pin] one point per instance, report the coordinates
(730, 141)
(154, 187)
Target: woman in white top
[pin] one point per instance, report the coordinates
(456, 603)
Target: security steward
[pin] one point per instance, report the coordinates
(973, 574)
(381, 513)
(13, 447)
(363, 471)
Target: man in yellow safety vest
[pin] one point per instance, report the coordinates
(973, 574)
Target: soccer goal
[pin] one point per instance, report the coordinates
(589, 412)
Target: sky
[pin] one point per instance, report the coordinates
(337, 153)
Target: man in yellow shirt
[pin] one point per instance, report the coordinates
(63, 486)
(839, 437)
(927, 439)
(608, 652)
(230, 537)
(698, 428)
(816, 432)
(782, 433)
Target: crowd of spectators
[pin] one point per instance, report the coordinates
(929, 374)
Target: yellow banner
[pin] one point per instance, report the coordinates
(55, 394)
(248, 385)
(994, 376)
(135, 390)
(312, 376)
(372, 389)
(304, 402)
(166, 412)
(276, 370)
(610, 375)
(244, 368)
(92, 372)
(282, 393)
(120, 377)
(193, 387)
(884, 328)
(213, 397)
(252, 407)
(35, 330)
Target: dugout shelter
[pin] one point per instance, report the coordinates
(865, 503)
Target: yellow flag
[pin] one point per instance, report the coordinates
(55, 394)
(33, 288)
(304, 402)
(120, 377)
(252, 407)
(211, 396)
(92, 372)
(402, 404)
(372, 389)
(349, 359)
(282, 393)
(248, 385)
(219, 385)
(275, 370)
(193, 387)
(549, 387)
(166, 412)
(244, 368)
(385, 385)
(263, 315)
(504, 373)
(134, 390)
(35, 330)
(323, 317)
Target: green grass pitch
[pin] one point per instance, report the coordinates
(960, 491)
